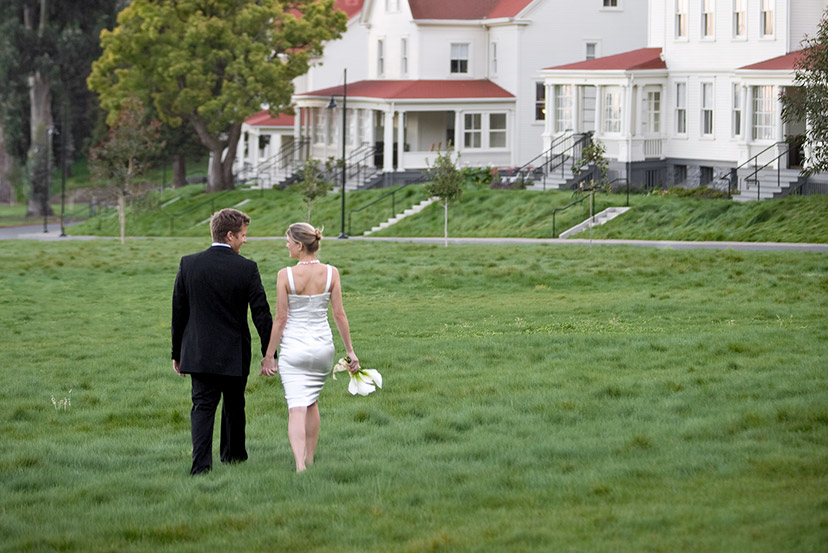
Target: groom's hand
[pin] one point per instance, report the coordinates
(269, 366)
(177, 367)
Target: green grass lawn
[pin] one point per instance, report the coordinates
(536, 398)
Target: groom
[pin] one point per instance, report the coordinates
(210, 336)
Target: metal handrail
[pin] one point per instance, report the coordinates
(558, 209)
(391, 193)
(211, 200)
(733, 178)
(752, 176)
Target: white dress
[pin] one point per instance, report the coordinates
(307, 350)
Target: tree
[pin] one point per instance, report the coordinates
(122, 157)
(313, 185)
(446, 182)
(808, 101)
(593, 156)
(46, 47)
(212, 64)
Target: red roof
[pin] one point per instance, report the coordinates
(264, 119)
(782, 63)
(466, 9)
(350, 7)
(644, 58)
(401, 90)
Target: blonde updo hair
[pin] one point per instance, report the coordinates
(306, 235)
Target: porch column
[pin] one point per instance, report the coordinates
(388, 142)
(400, 140)
(458, 131)
(599, 110)
(253, 149)
(780, 124)
(297, 133)
(372, 130)
(627, 119)
(549, 115)
(240, 159)
(576, 108)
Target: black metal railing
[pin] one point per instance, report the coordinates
(391, 193)
(754, 176)
(529, 168)
(211, 201)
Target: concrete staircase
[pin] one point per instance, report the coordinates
(770, 184)
(410, 211)
(607, 215)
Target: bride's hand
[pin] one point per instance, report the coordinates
(353, 365)
(270, 366)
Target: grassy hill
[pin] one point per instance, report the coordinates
(482, 213)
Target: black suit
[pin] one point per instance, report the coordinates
(211, 340)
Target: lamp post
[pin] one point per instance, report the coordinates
(332, 105)
(63, 172)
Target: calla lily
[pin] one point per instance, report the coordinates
(363, 382)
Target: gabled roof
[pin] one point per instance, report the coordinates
(264, 119)
(350, 7)
(409, 90)
(781, 63)
(466, 9)
(635, 60)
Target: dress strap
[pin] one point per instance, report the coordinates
(290, 280)
(330, 277)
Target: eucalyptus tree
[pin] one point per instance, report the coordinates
(212, 64)
(46, 47)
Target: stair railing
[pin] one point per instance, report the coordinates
(391, 193)
(523, 171)
(211, 200)
(753, 177)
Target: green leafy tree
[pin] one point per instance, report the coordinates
(46, 48)
(808, 100)
(212, 64)
(446, 182)
(313, 185)
(123, 157)
(593, 156)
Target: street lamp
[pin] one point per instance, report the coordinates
(332, 105)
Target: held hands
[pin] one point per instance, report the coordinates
(270, 366)
(353, 362)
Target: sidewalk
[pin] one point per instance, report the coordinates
(35, 232)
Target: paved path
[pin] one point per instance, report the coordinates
(35, 232)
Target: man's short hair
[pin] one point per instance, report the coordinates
(227, 220)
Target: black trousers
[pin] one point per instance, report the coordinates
(208, 389)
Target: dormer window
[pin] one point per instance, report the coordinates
(459, 58)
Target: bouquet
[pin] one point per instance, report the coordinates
(363, 382)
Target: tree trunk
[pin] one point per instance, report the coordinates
(5, 170)
(40, 97)
(122, 214)
(179, 167)
(222, 154)
(445, 223)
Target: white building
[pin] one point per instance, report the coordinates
(425, 73)
(701, 101)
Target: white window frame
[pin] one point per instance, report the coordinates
(613, 110)
(456, 55)
(404, 56)
(540, 101)
(380, 57)
(681, 109)
(612, 5)
(493, 50)
(681, 19)
(472, 131)
(493, 131)
(651, 123)
(736, 110)
(708, 20)
(564, 95)
(740, 19)
(763, 126)
(478, 136)
(767, 20)
(706, 111)
(392, 6)
(594, 46)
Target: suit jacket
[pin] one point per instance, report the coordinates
(212, 291)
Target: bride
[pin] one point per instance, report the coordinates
(302, 332)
